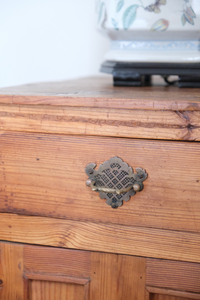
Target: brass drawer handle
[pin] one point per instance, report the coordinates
(115, 180)
(136, 187)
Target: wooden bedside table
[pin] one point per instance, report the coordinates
(59, 239)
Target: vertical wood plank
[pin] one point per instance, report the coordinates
(87, 291)
(148, 295)
(103, 275)
(11, 271)
(117, 277)
(26, 288)
(131, 277)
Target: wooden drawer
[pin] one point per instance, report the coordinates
(44, 175)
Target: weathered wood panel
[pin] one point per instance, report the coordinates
(171, 125)
(119, 239)
(45, 175)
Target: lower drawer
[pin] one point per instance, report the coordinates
(43, 273)
(44, 175)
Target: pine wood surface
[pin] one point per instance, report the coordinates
(47, 290)
(92, 106)
(99, 92)
(122, 277)
(49, 132)
(175, 275)
(166, 297)
(69, 263)
(146, 242)
(167, 294)
(26, 274)
(45, 175)
(111, 276)
(55, 278)
(57, 273)
(11, 271)
(149, 124)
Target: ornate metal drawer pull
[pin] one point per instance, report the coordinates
(135, 187)
(115, 181)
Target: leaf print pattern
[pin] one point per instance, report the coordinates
(183, 19)
(190, 11)
(189, 19)
(103, 24)
(97, 2)
(100, 11)
(188, 14)
(120, 4)
(160, 25)
(129, 16)
(115, 24)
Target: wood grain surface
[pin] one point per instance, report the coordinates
(166, 297)
(57, 273)
(69, 262)
(167, 294)
(147, 242)
(48, 290)
(149, 124)
(111, 276)
(175, 275)
(45, 175)
(121, 277)
(11, 271)
(99, 92)
(49, 132)
(55, 277)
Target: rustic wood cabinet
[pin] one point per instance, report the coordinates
(59, 239)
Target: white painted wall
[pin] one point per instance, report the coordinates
(47, 40)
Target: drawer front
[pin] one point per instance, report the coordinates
(44, 175)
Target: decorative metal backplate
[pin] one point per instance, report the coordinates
(115, 176)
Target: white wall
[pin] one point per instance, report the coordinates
(46, 40)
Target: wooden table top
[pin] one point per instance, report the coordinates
(99, 92)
